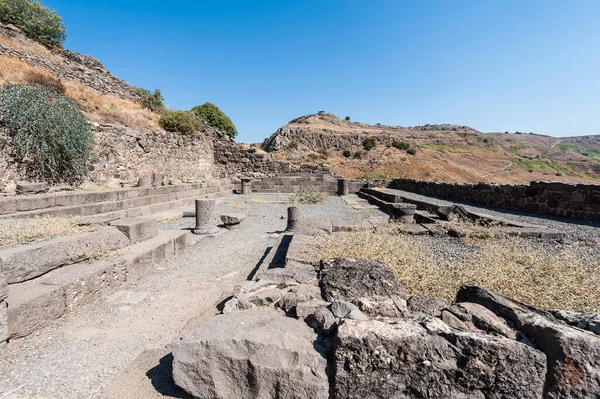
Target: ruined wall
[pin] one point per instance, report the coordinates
(236, 161)
(581, 201)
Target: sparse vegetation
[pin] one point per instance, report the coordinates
(152, 101)
(49, 136)
(588, 152)
(401, 145)
(357, 155)
(412, 151)
(377, 175)
(536, 275)
(369, 144)
(215, 118)
(294, 145)
(182, 122)
(347, 118)
(27, 230)
(308, 195)
(38, 22)
(347, 153)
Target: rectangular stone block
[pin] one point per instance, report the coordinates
(3, 322)
(137, 229)
(25, 262)
(33, 306)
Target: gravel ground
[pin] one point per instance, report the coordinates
(575, 229)
(81, 353)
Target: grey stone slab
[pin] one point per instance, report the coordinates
(137, 229)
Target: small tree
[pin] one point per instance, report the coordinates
(347, 153)
(347, 118)
(49, 136)
(215, 118)
(369, 143)
(153, 101)
(38, 22)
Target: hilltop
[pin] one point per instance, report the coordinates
(434, 152)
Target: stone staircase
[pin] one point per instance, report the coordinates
(43, 280)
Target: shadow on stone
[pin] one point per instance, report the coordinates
(221, 305)
(161, 377)
(281, 252)
(260, 261)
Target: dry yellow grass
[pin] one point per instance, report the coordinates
(566, 277)
(46, 227)
(97, 107)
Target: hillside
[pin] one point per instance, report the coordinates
(435, 152)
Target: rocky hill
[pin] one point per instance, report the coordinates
(434, 152)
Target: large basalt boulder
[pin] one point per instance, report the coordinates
(573, 354)
(255, 354)
(408, 359)
(349, 279)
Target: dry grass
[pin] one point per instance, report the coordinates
(566, 277)
(28, 230)
(308, 195)
(97, 107)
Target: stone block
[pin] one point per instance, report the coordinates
(33, 306)
(25, 262)
(137, 229)
(256, 354)
(31, 188)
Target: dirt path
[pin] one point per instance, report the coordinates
(81, 354)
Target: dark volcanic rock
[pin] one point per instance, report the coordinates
(349, 279)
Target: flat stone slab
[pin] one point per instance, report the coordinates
(25, 262)
(127, 297)
(137, 229)
(254, 354)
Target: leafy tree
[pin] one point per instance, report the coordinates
(347, 153)
(153, 101)
(183, 122)
(347, 118)
(37, 21)
(49, 135)
(215, 118)
(369, 143)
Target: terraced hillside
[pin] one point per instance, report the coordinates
(435, 152)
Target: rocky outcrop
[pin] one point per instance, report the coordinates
(261, 355)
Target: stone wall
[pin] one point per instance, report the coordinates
(581, 201)
(237, 160)
(67, 65)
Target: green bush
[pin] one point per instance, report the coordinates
(215, 118)
(369, 144)
(347, 118)
(358, 155)
(153, 101)
(49, 135)
(37, 21)
(347, 153)
(401, 145)
(308, 195)
(412, 151)
(182, 122)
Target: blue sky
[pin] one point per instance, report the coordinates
(495, 65)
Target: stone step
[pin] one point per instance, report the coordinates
(106, 207)
(137, 229)
(35, 304)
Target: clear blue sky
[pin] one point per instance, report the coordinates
(495, 65)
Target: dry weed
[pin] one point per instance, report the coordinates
(566, 277)
(45, 227)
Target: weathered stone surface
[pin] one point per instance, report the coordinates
(482, 318)
(304, 309)
(309, 226)
(584, 320)
(286, 274)
(573, 354)
(3, 322)
(304, 249)
(252, 286)
(258, 354)
(28, 261)
(264, 297)
(231, 219)
(322, 320)
(24, 187)
(297, 294)
(378, 306)
(137, 229)
(32, 306)
(374, 359)
(346, 310)
(454, 322)
(429, 306)
(349, 279)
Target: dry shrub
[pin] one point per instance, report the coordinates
(45, 227)
(97, 107)
(110, 109)
(308, 195)
(566, 277)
